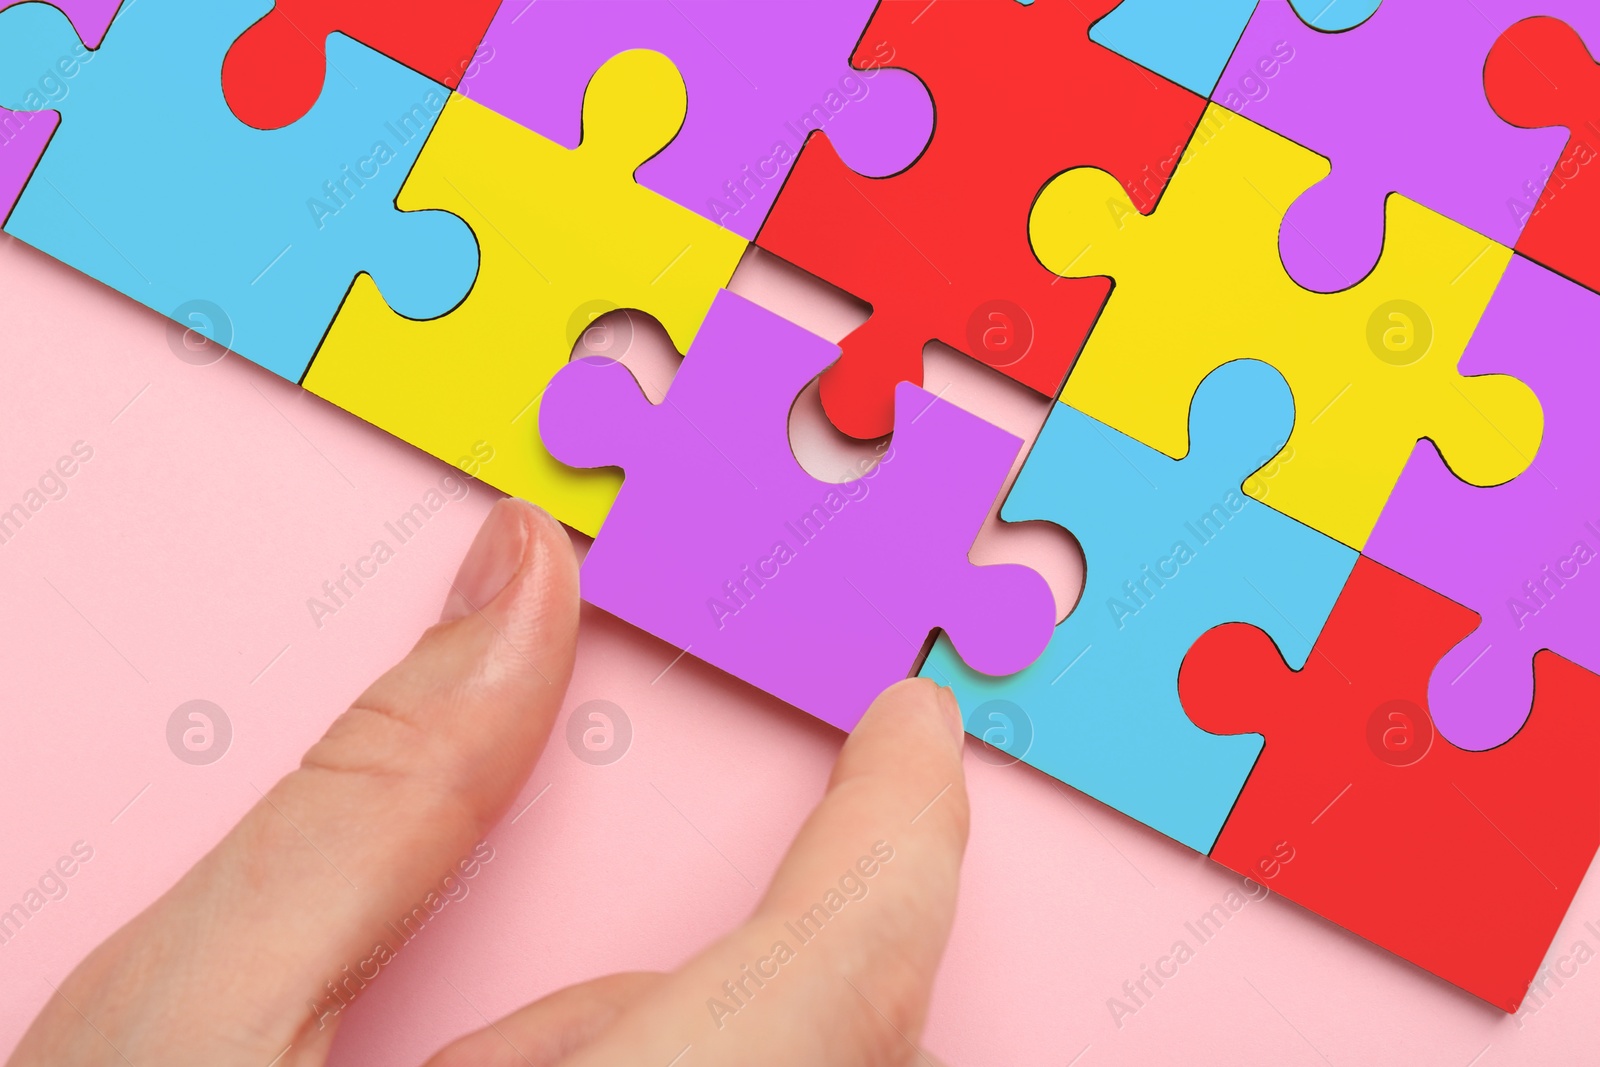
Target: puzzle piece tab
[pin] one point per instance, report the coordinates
(1518, 554)
(1190, 41)
(940, 250)
(761, 77)
(821, 594)
(1462, 862)
(25, 134)
(564, 235)
(274, 72)
(154, 188)
(1171, 548)
(1397, 104)
(1373, 368)
(1541, 73)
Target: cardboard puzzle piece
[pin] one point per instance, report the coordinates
(761, 77)
(564, 236)
(1539, 74)
(820, 593)
(1386, 102)
(1373, 368)
(274, 72)
(1360, 812)
(1171, 548)
(1518, 554)
(1190, 41)
(25, 134)
(940, 250)
(262, 232)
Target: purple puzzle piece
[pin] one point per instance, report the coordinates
(24, 135)
(1397, 105)
(720, 543)
(760, 77)
(1523, 554)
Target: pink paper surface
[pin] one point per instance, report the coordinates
(217, 501)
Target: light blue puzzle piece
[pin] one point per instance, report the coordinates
(154, 188)
(1191, 41)
(1172, 548)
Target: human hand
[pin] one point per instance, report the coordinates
(222, 968)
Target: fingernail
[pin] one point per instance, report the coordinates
(950, 709)
(491, 562)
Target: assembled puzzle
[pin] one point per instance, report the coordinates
(1317, 348)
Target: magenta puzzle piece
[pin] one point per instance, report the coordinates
(1524, 555)
(1397, 104)
(24, 135)
(720, 543)
(761, 76)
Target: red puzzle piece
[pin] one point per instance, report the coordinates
(1541, 74)
(275, 70)
(941, 249)
(1462, 862)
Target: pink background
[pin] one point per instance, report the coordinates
(219, 499)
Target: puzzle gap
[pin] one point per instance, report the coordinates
(821, 449)
(638, 342)
(1042, 546)
(802, 298)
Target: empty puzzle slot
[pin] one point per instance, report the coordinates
(632, 338)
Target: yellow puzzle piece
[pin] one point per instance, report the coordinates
(563, 235)
(1373, 368)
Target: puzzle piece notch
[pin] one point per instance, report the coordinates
(1523, 568)
(259, 251)
(1388, 829)
(25, 134)
(1190, 41)
(1415, 72)
(999, 617)
(883, 558)
(1171, 548)
(1199, 282)
(565, 235)
(968, 277)
(762, 77)
(274, 72)
(1541, 74)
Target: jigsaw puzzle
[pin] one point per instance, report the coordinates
(274, 72)
(1396, 834)
(719, 543)
(563, 234)
(1373, 368)
(1416, 71)
(1190, 41)
(25, 133)
(1541, 73)
(940, 250)
(761, 77)
(1171, 548)
(1302, 357)
(268, 228)
(1523, 567)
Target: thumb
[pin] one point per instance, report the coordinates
(837, 963)
(307, 887)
